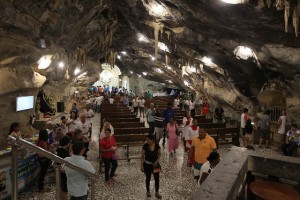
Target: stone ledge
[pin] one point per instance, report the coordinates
(226, 181)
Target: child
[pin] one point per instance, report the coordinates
(78, 183)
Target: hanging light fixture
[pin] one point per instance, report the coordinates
(44, 61)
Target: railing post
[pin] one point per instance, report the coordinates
(57, 182)
(92, 189)
(14, 176)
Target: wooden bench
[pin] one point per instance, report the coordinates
(127, 124)
(116, 113)
(128, 141)
(119, 116)
(117, 120)
(225, 135)
(212, 125)
(130, 131)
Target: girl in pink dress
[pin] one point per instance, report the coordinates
(172, 137)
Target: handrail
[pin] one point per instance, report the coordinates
(52, 156)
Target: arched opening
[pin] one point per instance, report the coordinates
(109, 76)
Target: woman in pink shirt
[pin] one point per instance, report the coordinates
(172, 137)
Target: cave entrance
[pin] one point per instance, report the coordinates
(109, 76)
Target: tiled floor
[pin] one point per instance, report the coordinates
(176, 179)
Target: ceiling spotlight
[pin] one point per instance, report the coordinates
(44, 61)
(119, 57)
(142, 38)
(152, 58)
(139, 76)
(170, 81)
(207, 60)
(159, 71)
(61, 65)
(235, 1)
(76, 91)
(163, 47)
(131, 72)
(168, 67)
(124, 52)
(158, 9)
(145, 73)
(76, 71)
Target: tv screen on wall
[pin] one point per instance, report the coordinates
(25, 103)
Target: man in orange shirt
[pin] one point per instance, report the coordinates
(202, 146)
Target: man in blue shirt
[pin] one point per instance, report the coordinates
(168, 114)
(77, 182)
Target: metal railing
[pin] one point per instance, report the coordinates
(15, 142)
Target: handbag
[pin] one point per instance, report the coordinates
(115, 156)
(156, 168)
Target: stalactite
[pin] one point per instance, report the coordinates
(157, 28)
(168, 34)
(286, 15)
(167, 58)
(296, 21)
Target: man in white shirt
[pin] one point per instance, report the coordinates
(142, 106)
(135, 103)
(77, 182)
(281, 129)
(89, 113)
(176, 102)
(84, 125)
(63, 125)
(111, 100)
(98, 102)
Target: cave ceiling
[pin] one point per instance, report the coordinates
(102, 30)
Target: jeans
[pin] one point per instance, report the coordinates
(44, 164)
(107, 162)
(289, 148)
(151, 127)
(79, 198)
(148, 169)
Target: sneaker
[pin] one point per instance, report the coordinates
(157, 195)
(148, 194)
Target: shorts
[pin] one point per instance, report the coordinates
(265, 134)
(249, 136)
(197, 167)
(63, 182)
(243, 132)
(158, 132)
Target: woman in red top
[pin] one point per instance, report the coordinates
(205, 108)
(108, 152)
(42, 142)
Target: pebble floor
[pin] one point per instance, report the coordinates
(176, 179)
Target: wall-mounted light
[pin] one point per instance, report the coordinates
(145, 73)
(119, 57)
(168, 67)
(131, 72)
(61, 65)
(124, 52)
(170, 81)
(44, 61)
(152, 58)
(139, 76)
(76, 71)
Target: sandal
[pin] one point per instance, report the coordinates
(157, 195)
(148, 194)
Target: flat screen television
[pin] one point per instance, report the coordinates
(24, 103)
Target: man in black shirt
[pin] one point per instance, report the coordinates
(63, 152)
(219, 114)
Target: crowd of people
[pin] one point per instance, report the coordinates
(70, 140)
